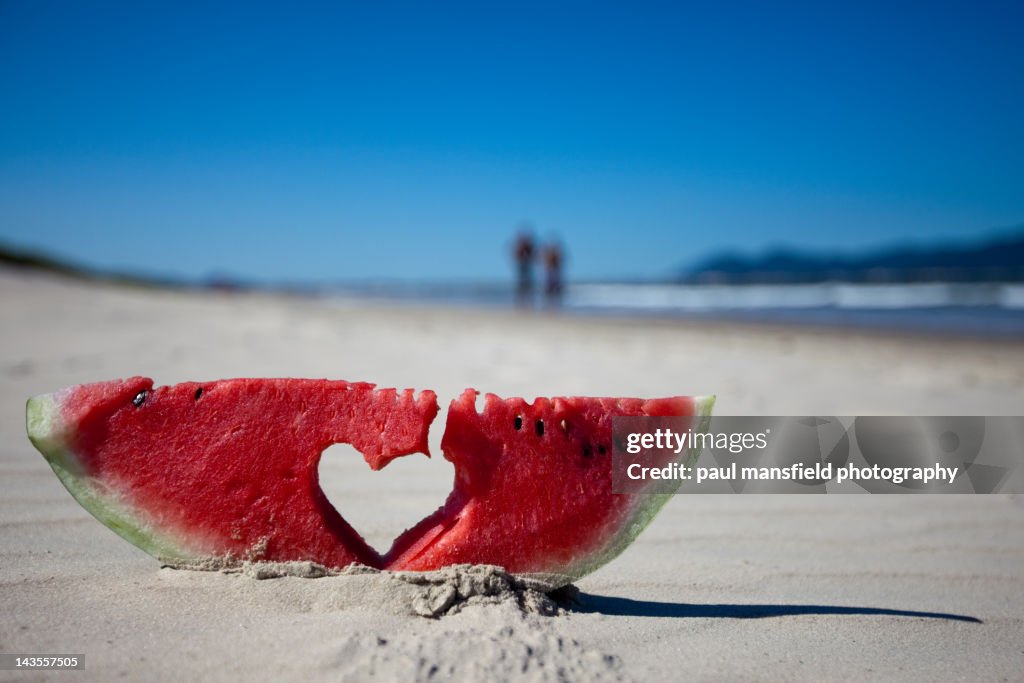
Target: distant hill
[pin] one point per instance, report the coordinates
(35, 261)
(31, 260)
(998, 259)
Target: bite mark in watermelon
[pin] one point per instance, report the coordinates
(227, 471)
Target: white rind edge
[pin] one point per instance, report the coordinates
(648, 504)
(48, 433)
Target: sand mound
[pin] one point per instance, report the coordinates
(433, 594)
(493, 626)
(511, 652)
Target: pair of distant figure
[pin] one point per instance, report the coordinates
(552, 256)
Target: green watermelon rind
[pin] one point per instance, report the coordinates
(43, 424)
(645, 507)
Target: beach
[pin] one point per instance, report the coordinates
(719, 587)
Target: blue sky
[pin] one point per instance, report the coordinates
(334, 141)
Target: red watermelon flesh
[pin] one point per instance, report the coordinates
(224, 469)
(227, 471)
(533, 486)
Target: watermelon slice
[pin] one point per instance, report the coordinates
(226, 471)
(533, 486)
(223, 469)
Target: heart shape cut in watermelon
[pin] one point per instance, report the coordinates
(226, 471)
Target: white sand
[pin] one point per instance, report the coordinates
(719, 587)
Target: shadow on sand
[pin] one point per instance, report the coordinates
(625, 607)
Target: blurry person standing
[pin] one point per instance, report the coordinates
(523, 252)
(554, 260)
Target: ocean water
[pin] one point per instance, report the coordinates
(958, 309)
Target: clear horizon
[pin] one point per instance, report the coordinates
(346, 143)
(227, 277)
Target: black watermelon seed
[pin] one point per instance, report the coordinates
(587, 452)
(540, 427)
(139, 399)
(199, 392)
(519, 422)
(601, 449)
